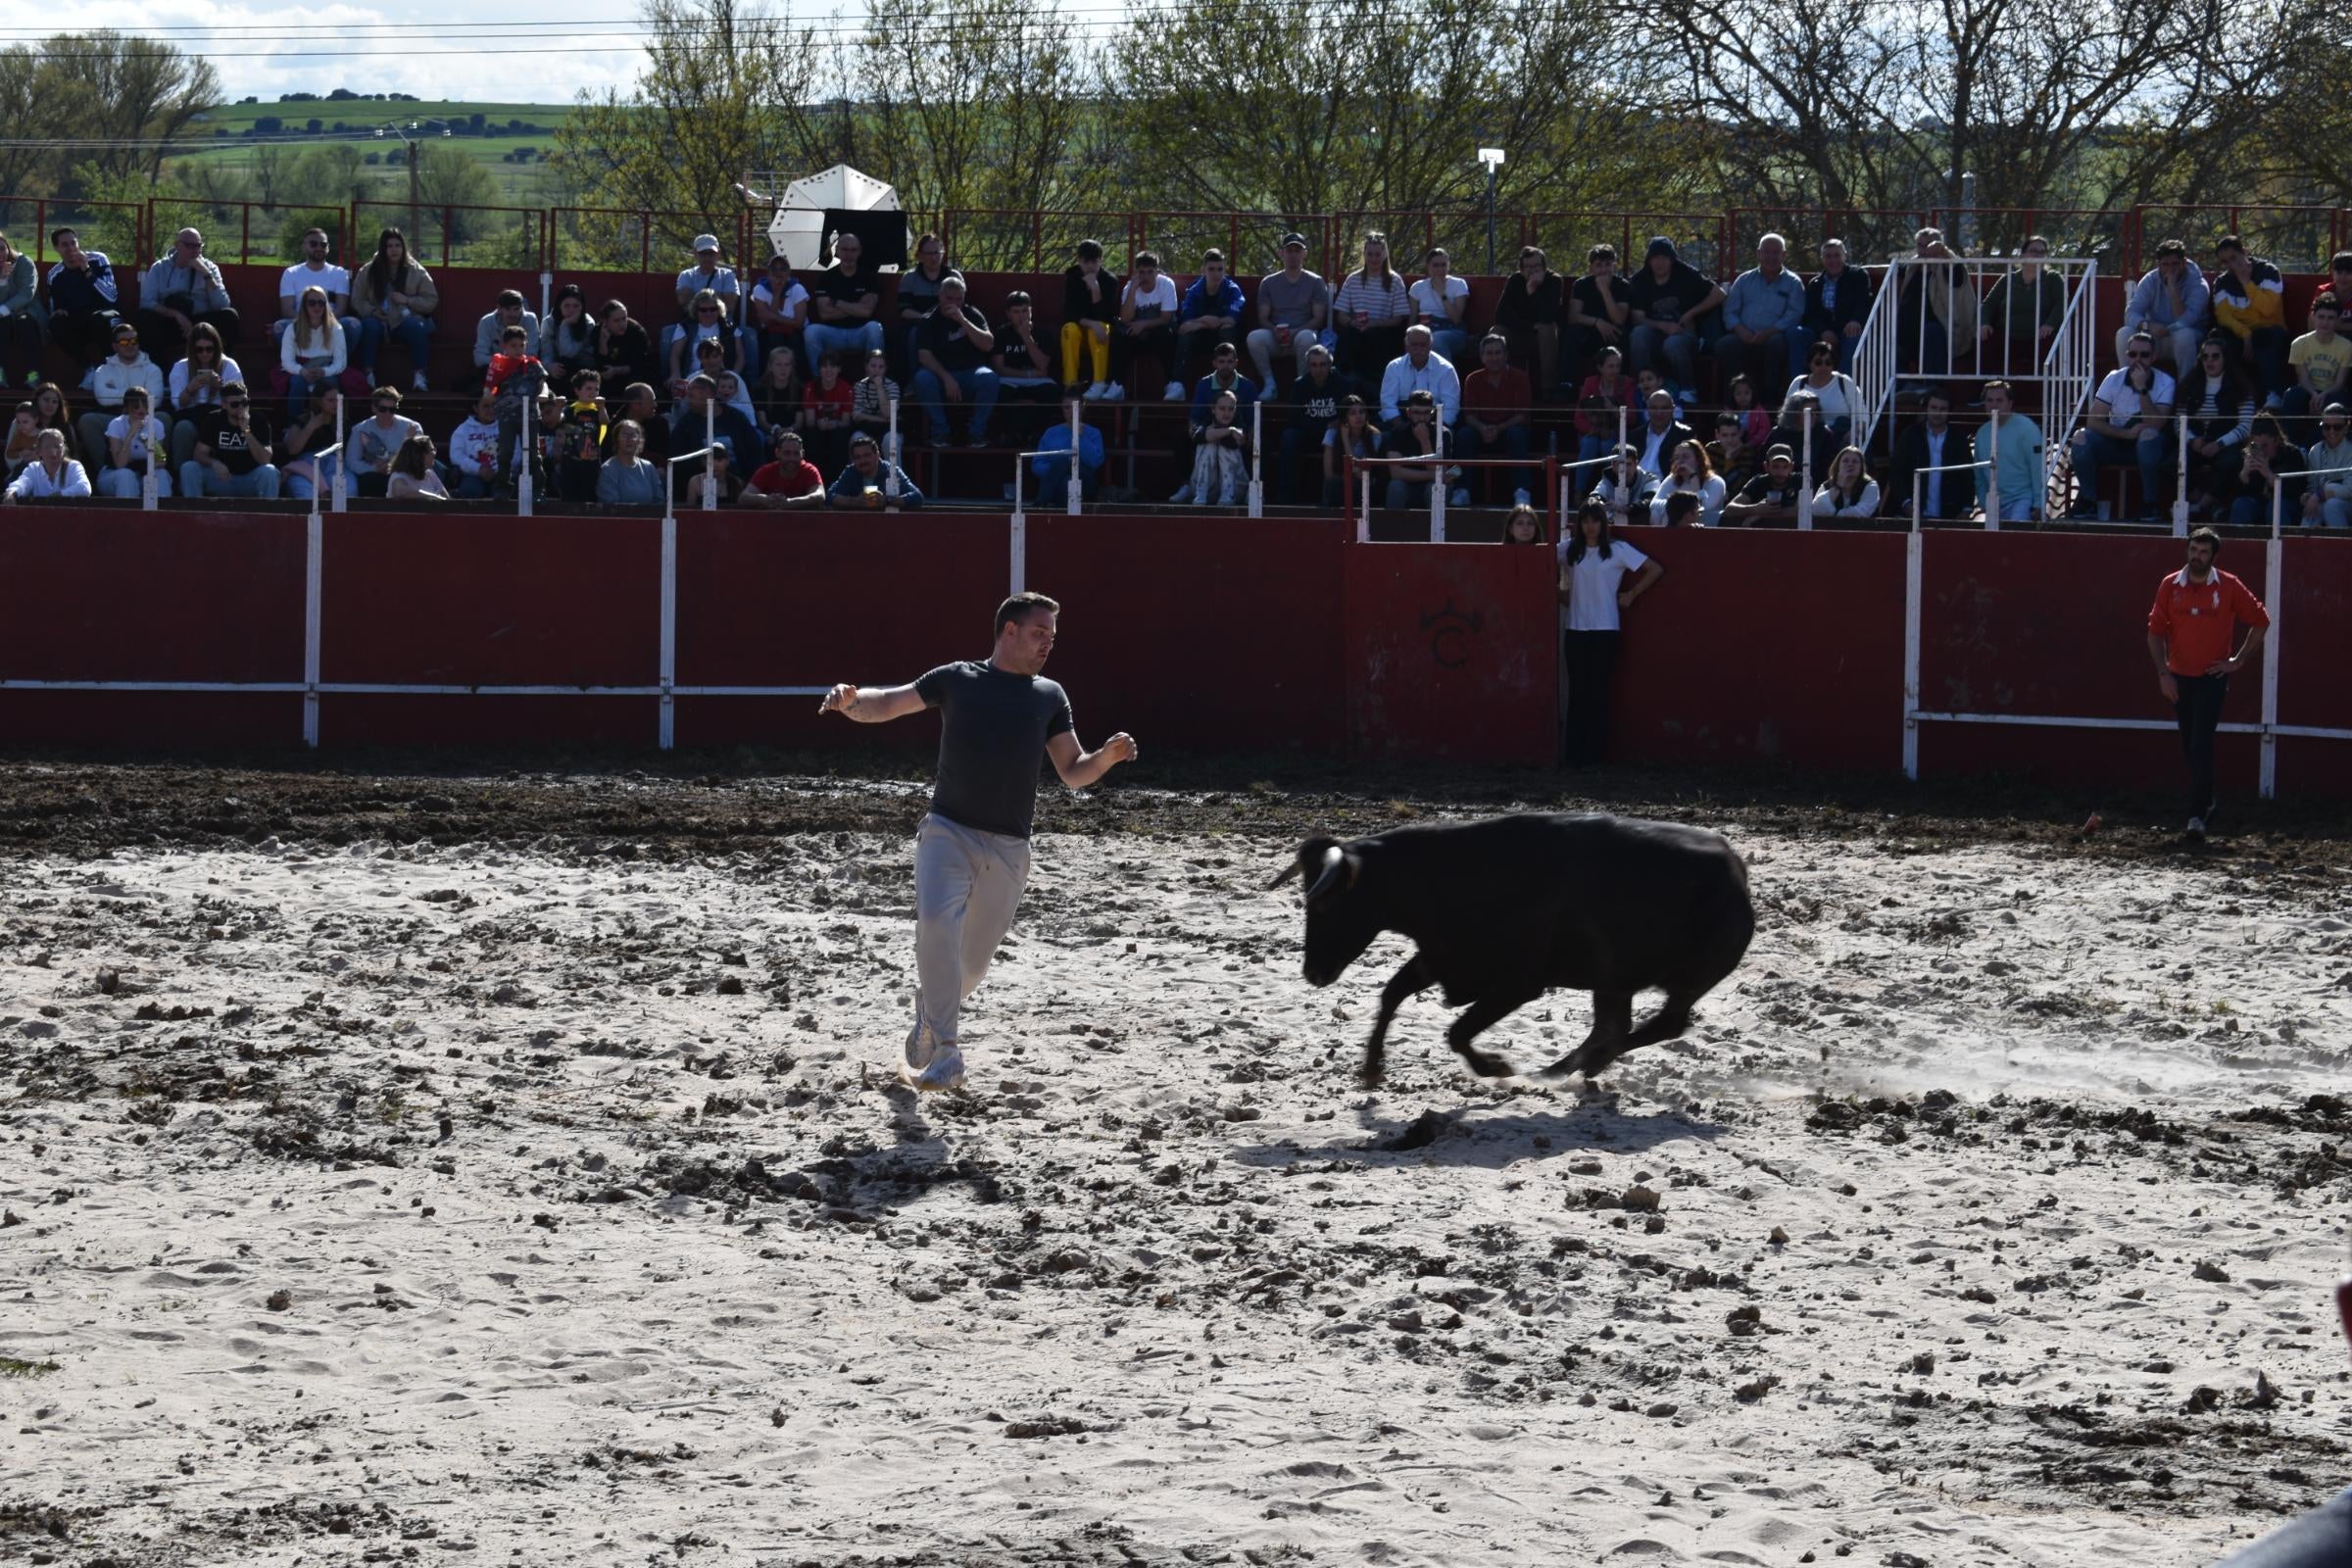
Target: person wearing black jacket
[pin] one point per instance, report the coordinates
(1314, 400)
(1089, 312)
(1932, 443)
(1529, 314)
(1837, 303)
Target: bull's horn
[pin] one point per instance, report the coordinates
(1289, 871)
(1335, 860)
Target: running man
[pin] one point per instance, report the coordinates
(971, 854)
(2191, 629)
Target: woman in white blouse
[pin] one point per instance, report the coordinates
(1594, 592)
(1850, 492)
(1840, 395)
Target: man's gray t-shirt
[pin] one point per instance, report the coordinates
(1289, 304)
(993, 733)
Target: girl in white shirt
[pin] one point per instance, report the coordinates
(1594, 565)
(134, 442)
(311, 352)
(1852, 492)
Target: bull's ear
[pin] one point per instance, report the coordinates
(1307, 862)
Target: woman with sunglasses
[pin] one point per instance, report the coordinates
(313, 353)
(1840, 398)
(2221, 418)
(710, 325)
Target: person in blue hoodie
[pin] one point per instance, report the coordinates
(1054, 472)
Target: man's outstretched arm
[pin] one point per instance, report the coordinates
(872, 704)
(1080, 768)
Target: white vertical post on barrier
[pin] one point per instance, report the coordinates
(710, 451)
(1257, 459)
(1437, 487)
(670, 625)
(342, 464)
(1993, 488)
(1914, 549)
(145, 439)
(1805, 482)
(1567, 518)
(889, 464)
(314, 578)
(2274, 578)
(1077, 486)
(2180, 480)
(1363, 519)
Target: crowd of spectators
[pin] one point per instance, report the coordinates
(1672, 395)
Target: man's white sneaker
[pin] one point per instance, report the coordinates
(1184, 492)
(921, 1050)
(2196, 828)
(945, 1071)
(419, 383)
(1175, 392)
(1116, 392)
(1096, 391)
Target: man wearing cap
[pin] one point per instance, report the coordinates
(708, 274)
(1671, 299)
(127, 367)
(1292, 307)
(180, 290)
(1770, 499)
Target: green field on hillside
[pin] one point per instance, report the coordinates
(520, 184)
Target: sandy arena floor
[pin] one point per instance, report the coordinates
(547, 1200)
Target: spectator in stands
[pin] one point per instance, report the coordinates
(951, 349)
(317, 269)
(394, 297)
(1670, 301)
(1625, 488)
(715, 478)
(841, 306)
(2009, 488)
(732, 391)
(1600, 309)
(779, 308)
(313, 353)
(1771, 499)
(1148, 307)
(1496, 412)
(51, 474)
(1530, 313)
(372, 444)
(871, 399)
(2170, 305)
(2130, 421)
(2220, 416)
(489, 334)
(1730, 455)
(865, 482)
(1371, 312)
(1849, 491)
(1418, 369)
(1930, 444)
(1659, 434)
(708, 326)
(1755, 420)
(1524, 526)
(2320, 362)
(22, 317)
(1292, 307)
(1417, 435)
(918, 295)
(83, 317)
(832, 405)
(474, 450)
(2022, 313)
(305, 466)
(567, 338)
(788, 481)
(1352, 437)
(180, 290)
(516, 377)
(1764, 313)
(1220, 475)
(626, 478)
(2329, 489)
(48, 406)
(2269, 479)
(1803, 430)
(1594, 565)
(413, 476)
(1054, 472)
(780, 397)
(1024, 369)
(707, 276)
(702, 416)
(622, 351)
(233, 456)
(1224, 375)
(135, 443)
(641, 402)
(2338, 286)
(2249, 310)
(1605, 391)
(1315, 399)
(1687, 474)
(1936, 314)
(1441, 302)
(127, 367)
(1836, 304)
(1090, 313)
(1834, 394)
(1210, 315)
(195, 383)
(24, 441)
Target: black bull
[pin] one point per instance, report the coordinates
(1504, 910)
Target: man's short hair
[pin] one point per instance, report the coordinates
(1436, 251)
(1019, 296)
(638, 391)
(2150, 338)
(781, 435)
(1532, 253)
(1013, 611)
(1313, 349)
(2266, 423)
(865, 438)
(1427, 335)
(1833, 243)
(230, 389)
(2327, 301)
(2208, 538)
(2003, 387)
(2227, 243)
(1771, 234)
(699, 381)
(708, 345)
(509, 297)
(57, 236)
(386, 394)
(2340, 261)
(2171, 247)
(1421, 396)
(1495, 337)
(1212, 254)
(1089, 250)
(580, 378)
(1680, 504)
(954, 281)
(1146, 259)
(1224, 351)
(514, 333)
(1651, 400)
(1601, 253)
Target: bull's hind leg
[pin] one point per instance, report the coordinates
(1612, 1020)
(1408, 981)
(1472, 1023)
(1671, 1021)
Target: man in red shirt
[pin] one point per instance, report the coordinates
(2191, 629)
(1495, 400)
(790, 480)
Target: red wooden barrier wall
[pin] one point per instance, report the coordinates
(1451, 652)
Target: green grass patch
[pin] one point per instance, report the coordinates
(16, 1367)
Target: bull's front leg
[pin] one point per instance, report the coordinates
(1482, 1015)
(1408, 981)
